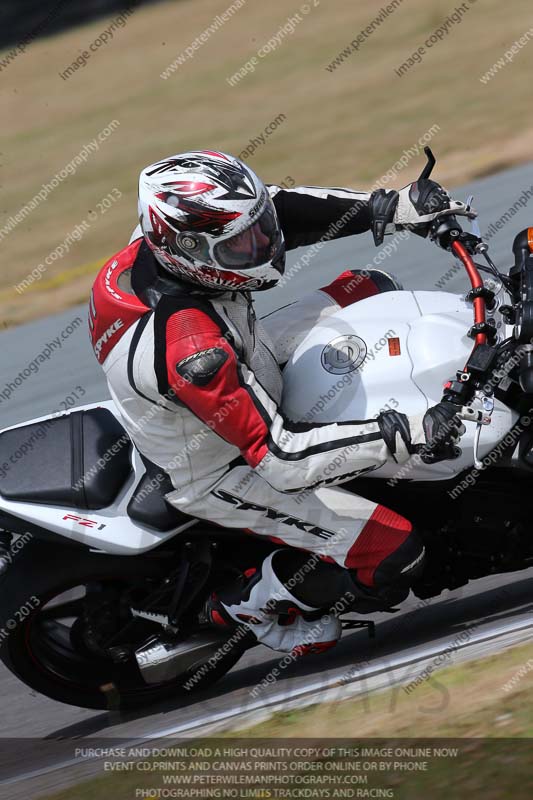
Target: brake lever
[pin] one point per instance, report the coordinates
(481, 416)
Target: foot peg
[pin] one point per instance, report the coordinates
(352, 624)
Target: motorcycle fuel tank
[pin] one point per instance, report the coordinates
(394, 350)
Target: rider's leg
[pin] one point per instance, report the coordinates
(377, 548)
(288, 326)
(374, 548)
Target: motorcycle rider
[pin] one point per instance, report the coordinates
(196, 378)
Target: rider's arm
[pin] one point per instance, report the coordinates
(204, 373)
(308, 214)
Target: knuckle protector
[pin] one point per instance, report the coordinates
(393, 424)
(428, 197)
(433, 429)
(200, 368)
(382, 208)
(441, 423)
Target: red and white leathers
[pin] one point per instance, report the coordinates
(197, 382)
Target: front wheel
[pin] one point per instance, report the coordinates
(66, 628)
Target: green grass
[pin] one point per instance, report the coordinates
(465, 704)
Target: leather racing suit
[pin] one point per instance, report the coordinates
(196, 378)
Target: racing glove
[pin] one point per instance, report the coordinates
(402, 435)
(443, 429)
(433, 436)
(414, 208)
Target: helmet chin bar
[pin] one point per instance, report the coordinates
(214, 283)
(208, 279)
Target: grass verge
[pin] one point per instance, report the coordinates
(484, 706)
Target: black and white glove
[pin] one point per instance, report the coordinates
(414, 207)
(443, 430)
(433, 436)
(400, 434)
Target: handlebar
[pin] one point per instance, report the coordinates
(476, 281)
(448, 234)
(462, 391)
(444, 230)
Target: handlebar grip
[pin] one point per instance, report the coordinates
(433, 454)
(442, 228)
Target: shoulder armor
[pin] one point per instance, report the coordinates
(200, 368)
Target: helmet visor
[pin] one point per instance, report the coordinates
(252, 247)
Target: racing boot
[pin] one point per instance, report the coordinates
(276, 617)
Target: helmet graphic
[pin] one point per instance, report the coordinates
(209, 220)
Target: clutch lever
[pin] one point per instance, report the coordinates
(431, 161)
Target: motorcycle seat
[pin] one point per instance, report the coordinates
(148, 505)
(77, 460)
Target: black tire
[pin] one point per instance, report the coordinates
(42, 571)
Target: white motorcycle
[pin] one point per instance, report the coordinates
(104, 582)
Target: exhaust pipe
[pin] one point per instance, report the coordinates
(161, 661)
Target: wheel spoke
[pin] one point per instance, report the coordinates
(70, 635)
(69, 608)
